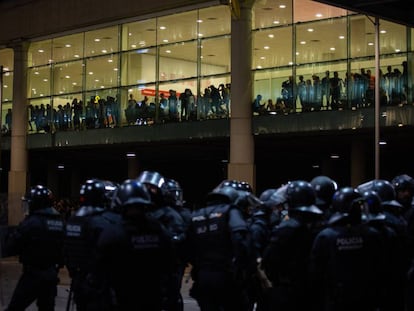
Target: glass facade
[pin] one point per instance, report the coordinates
(307, 56)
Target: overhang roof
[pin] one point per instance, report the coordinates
(397, 11)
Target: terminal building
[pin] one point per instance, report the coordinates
(262, 91)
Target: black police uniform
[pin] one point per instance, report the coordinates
(38, 241)
(286, 259)
(136, 254)
(176, 229)
(260, 230)
(165, 193)
(346, 268)
(82, 232)
(218, 235)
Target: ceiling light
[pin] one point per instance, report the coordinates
(341, 37)
(382, 143)
(318, 15)
(334, 156)
(163, 27)
(97, 40)
(131, 155)
(282, 6)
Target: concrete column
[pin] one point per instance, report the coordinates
(241, 163)
(18, 165)
(358, 163)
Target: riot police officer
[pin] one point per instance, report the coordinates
(404, 193)
(286, 259)
(176, 226)
(325, 188)
(260, 225)
(218, 236)
(82, 232)
(403, 251)
(345, 264)
(38, 240)
(375, 218)
(136, 254)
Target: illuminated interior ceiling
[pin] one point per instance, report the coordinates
(397, 11)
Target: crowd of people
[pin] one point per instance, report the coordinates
(313, 93)
(306, 245)
(332, 92)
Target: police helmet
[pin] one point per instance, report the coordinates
(38, 197)
(347, 203)
(265, 195)
(93, 193)
(110, 189)
(174, 192)
(373, 204)
(384, 189)
(324, 187)
(235, 184)
(403, 182)
(301, 197)
(131, 193)
(278, 197)
(155, 184)
(226, 195)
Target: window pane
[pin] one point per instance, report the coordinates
(67, 112)
(178, 61)
(102, 109)
(271, 13)
(362, 36)
(101, 41)
(7, 86)
(6, 57)
(139, 34)
(215, 56)
(102, 72)
(67, 77)
(269, 83)
(323, 88)
(393, 38)
(39, 81)
(321, 41)
(272, 47)
(177, 27)
(214, 21)
(40, 53)
(138, 66)
(39, 115)
(67, 47)
(6, 122)
(308, 10)
(206, 106)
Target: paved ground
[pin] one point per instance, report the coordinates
(10, 271)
